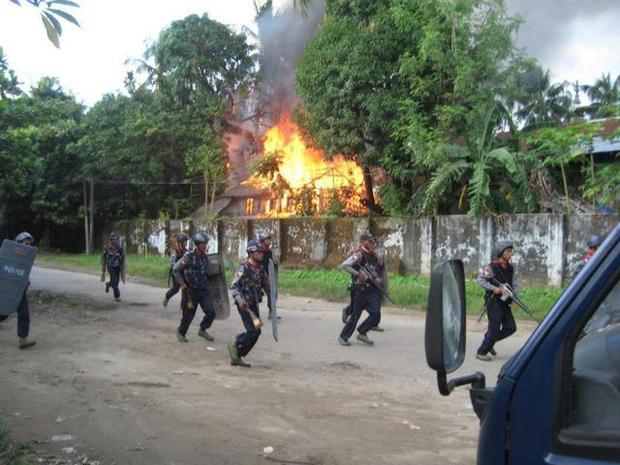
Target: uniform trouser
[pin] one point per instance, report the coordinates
(349, 310)
(245, 341)
(194, 298)
(173, 290)
(363, 299)
(23, 317)
(115, 276)
(501, 324)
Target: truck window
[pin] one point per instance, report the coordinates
(594, 399)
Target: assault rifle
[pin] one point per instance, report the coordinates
(371, 279)
(508, 292)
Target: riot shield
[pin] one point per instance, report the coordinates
(15, 264)
(273, 298)
(217, 286)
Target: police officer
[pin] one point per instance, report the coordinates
(113, 259)
(499, 313)
(177, 253)
(364, 266)
(248, 286)
(191, 274)
(593, 244)
(23, 312)
(264, 239)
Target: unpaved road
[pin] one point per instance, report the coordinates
(114, 378)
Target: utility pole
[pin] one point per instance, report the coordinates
(91, 228)
(86, 228)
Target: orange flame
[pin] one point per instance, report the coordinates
(307, 176)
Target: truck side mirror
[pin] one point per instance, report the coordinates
(444, 338)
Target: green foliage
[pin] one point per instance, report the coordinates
(51, 14)
(605, 97)
(38, 179)
(393, 81)
(559, 147)
(11, 454)
(492, 177)
(540, 101)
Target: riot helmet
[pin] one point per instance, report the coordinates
(23, 237)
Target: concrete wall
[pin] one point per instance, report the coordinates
(547, 246)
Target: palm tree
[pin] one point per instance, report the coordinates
(604, 95)
(475, 167)
(541, 101)
(50, 13)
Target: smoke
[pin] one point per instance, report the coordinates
(283, 33)
(576, 39)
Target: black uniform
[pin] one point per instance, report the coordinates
(365, 296)
(264, 264)
(501, 321)
(249, 284)
(113, 259)
(23, 316)
(191, 271)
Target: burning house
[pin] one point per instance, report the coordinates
(273, 171)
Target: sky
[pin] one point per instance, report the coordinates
(576, 39)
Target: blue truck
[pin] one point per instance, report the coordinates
(557, 400)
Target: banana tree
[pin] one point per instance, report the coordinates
(480, 169)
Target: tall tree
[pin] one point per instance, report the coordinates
(540, 101)
(604, 95)
(393, 80)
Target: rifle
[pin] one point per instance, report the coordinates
(509, 293)
(372, 281)
(187, 295)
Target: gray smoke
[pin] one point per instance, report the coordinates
(551, 25)
(283, 34)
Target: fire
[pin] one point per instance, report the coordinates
(299, 178)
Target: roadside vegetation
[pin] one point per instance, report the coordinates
(409, 292)
(10, 452)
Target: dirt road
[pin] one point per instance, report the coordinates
(111, 382)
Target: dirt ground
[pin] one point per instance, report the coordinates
(108, 383)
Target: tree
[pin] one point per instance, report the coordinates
(393, 80)
(201, 66)
(559, 147)
(489, 176)
(51, 14)
(540, 101)
(38, 184)
(344, 80)
(9, 86)
(605, 96)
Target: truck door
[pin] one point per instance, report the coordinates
(565, 407)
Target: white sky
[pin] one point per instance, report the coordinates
(91, 59)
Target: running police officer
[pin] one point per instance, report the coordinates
(248, 286)
(177, 253)
(113, 259)
(23, 312)
(366, 280)
(191, 274)
(501, 321)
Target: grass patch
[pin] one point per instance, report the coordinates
(151, 269)
(407, 291)
(11, 453)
